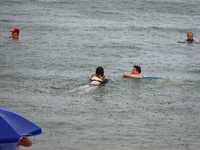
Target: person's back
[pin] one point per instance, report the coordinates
(95, 80)
(99, 77)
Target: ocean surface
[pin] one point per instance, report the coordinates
(64, 41)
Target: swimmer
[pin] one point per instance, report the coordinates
(96, 79)
(99, 77)
(136, 73)
(190, 38)
(15, 34)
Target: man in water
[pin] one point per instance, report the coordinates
(190, 38)
(136, 73)
(15, 34)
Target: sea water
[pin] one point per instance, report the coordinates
(64, 41)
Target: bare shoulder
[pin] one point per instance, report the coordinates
(105, 77)
(92, 75)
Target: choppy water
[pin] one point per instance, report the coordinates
(64, 41)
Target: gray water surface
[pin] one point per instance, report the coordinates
(64, 41)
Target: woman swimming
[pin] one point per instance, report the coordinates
(96, 79)
(99, 77)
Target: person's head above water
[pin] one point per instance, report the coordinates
(136, 73)
(15, 30)
(136, 70)
(100, 71)
(15, 34)
(189, 39)
(190, 36)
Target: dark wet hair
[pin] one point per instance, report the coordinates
(100, 71)
(137, 68)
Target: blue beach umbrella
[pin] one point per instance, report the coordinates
(13, 127)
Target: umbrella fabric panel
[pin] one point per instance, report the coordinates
(23, 126)
(11, 124)
(7, 133)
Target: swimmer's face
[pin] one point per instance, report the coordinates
(14, 34)
(134, 71)
(190, 36)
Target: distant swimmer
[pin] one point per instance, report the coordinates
(136, 73)
(99, 77)
(189, 38)
(15, 34)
